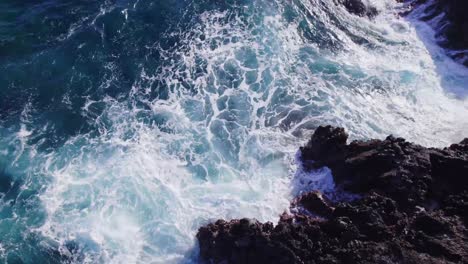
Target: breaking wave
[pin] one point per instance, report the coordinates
(137, 122)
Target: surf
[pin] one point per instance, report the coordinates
(204, 120)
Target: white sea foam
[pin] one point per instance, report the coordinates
(245, 87)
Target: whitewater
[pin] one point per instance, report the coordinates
(139, 121)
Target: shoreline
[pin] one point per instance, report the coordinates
(412, 208)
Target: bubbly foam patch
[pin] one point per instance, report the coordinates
(243, 84)
(214, 130)
(138, 194)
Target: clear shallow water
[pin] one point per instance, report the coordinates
(125, 125)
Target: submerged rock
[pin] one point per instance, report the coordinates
(413, 208)
(358, 7)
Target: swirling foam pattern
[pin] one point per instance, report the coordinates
(127, 124)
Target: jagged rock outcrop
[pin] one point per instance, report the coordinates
(451, 26)
(358, 7)
(413, 208)
(314, 202)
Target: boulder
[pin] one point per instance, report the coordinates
(316, 203)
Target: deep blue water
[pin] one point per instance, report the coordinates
(125, 125)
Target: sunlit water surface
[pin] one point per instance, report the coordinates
(126, 125)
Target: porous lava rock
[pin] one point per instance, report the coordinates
(412, 208)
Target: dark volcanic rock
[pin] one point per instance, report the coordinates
(413, 209)
(357, 7)
(407, 173)
(452, 28)
(327, 146)
(315, 202)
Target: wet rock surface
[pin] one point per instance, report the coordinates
(314, 202)
(413, 208)
(358, 7)
(450, 23)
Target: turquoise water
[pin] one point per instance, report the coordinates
(126, 125)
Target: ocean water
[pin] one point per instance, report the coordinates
(125, 125)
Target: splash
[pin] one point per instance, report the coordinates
(210, 128)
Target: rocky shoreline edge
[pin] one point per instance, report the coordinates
(446, 17)
(412, 208)
(449, 21)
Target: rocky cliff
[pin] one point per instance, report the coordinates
(448, 19)
(412, 208)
